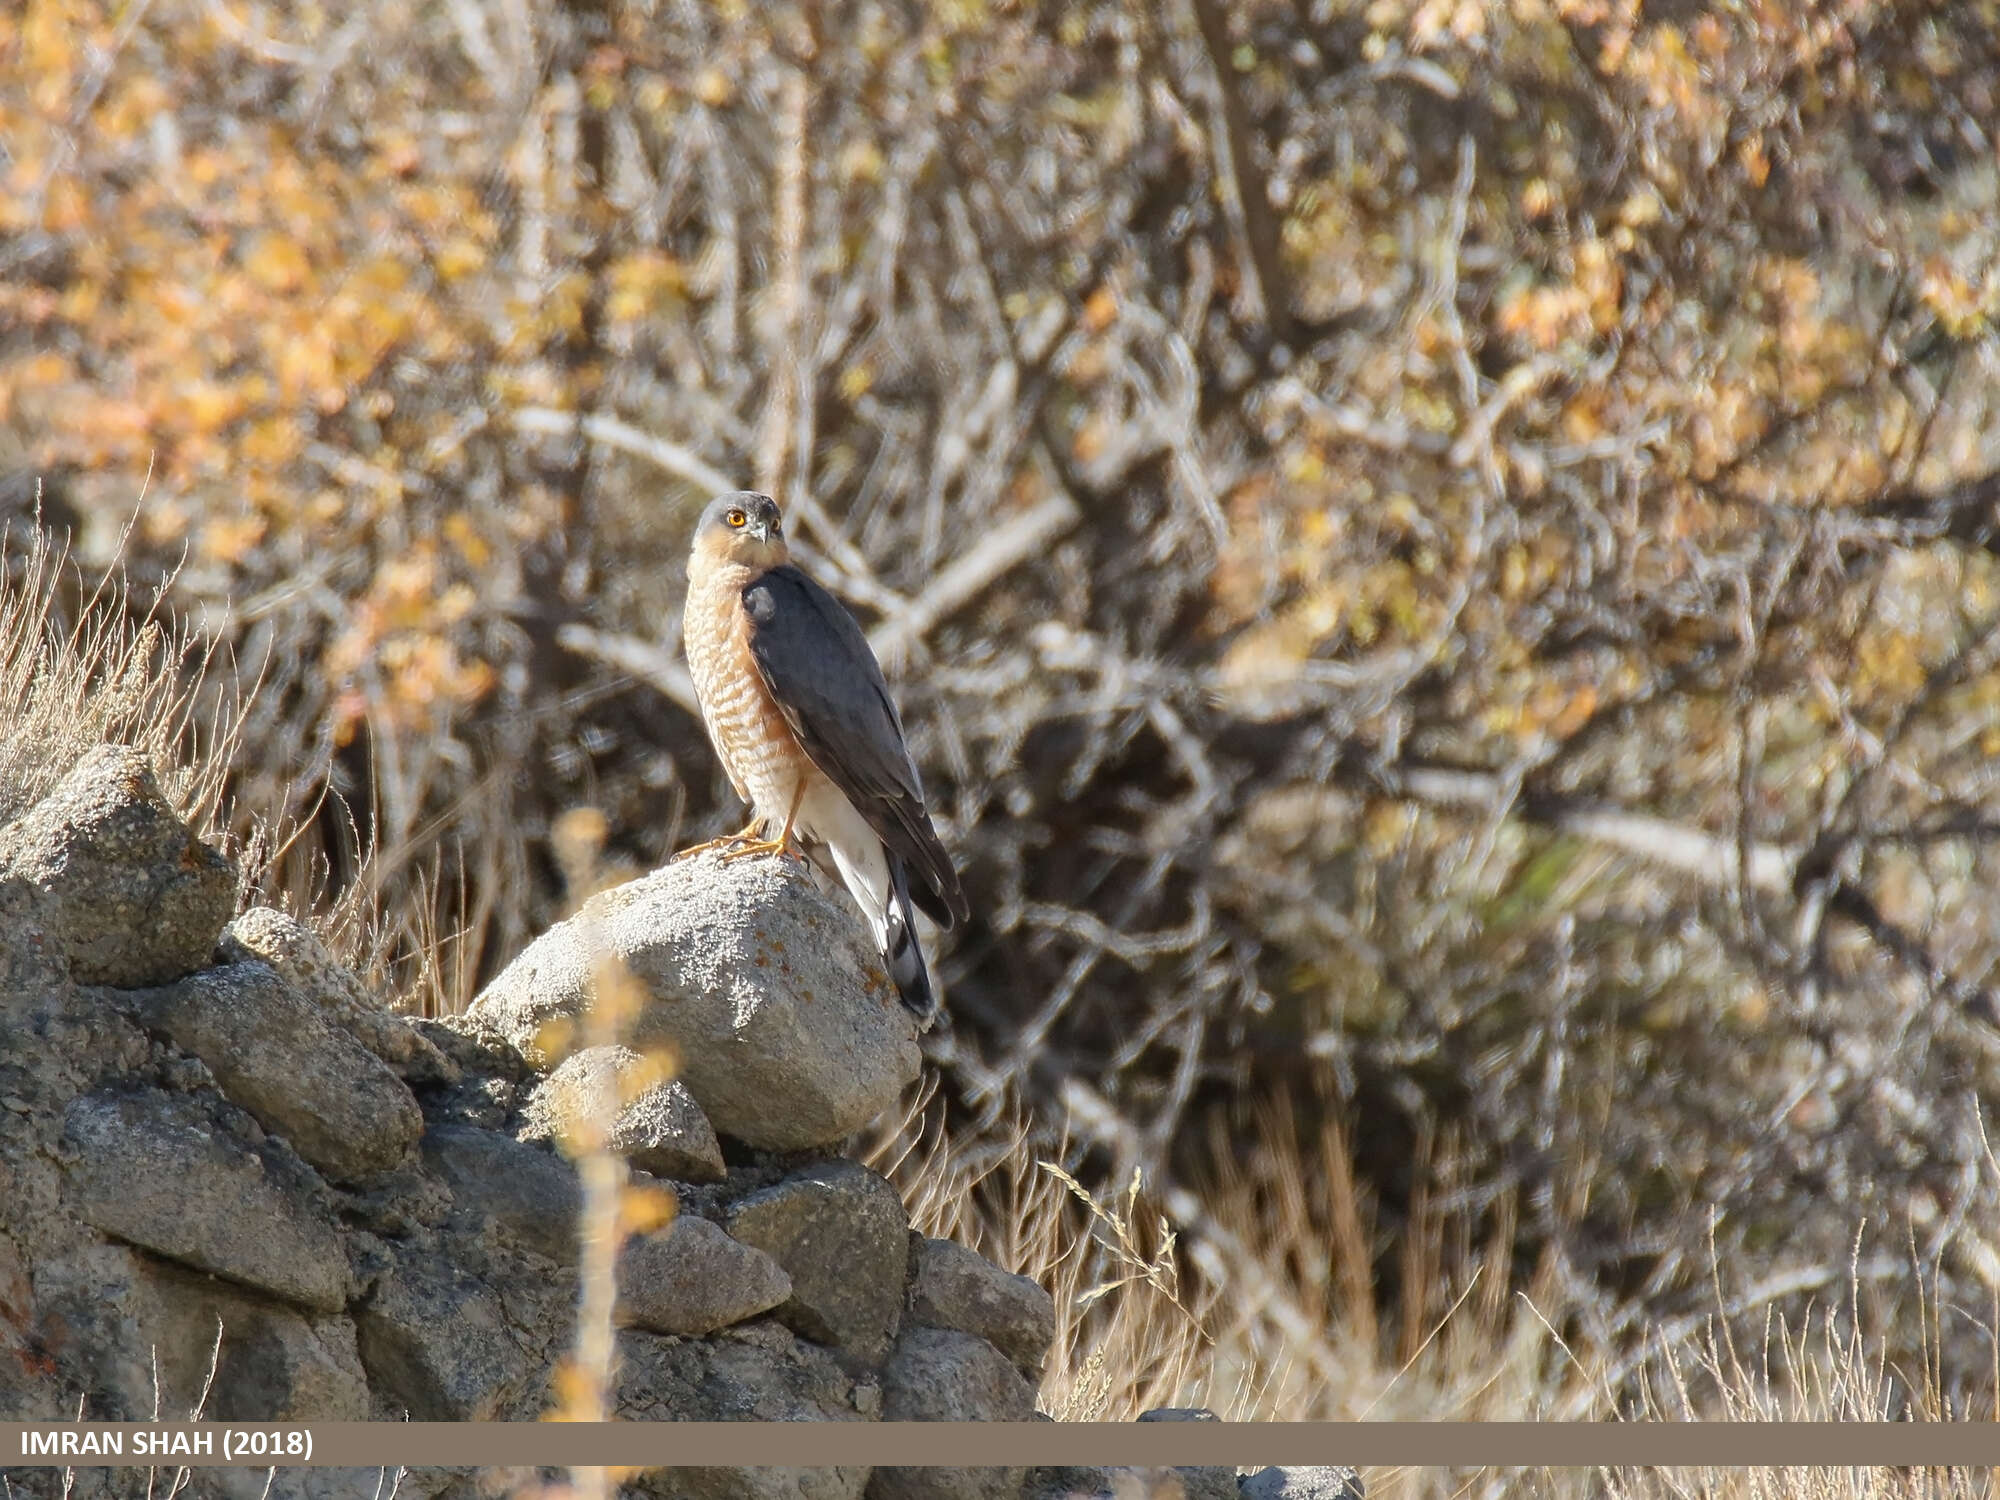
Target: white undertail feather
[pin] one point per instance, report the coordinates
(827, 817)
(828, 821)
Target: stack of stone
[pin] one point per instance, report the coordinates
(233, 1182)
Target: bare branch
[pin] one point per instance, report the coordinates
(682, 463)
(642, 659)
(998, 552)
(1265, 298)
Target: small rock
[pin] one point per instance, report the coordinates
(491, 1081)
(690, 1278)
(525, 1195)
(1207, 1481)
(31, 956)
(299, 1075)
(842, 1235)
(758, 1372)
(1197, 1481)
(295, 951)
(766, 987)
(1322, 1482)
(435, 1342)
(941, 1375)
(956, 1288)
(662, 1130)
(91, 1295)
(273, 1365)
(139, 899)
(155, 1170)
(752, 1484)
(1068, 1482)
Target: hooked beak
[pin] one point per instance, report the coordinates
(761, 530)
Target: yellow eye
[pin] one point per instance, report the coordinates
(735, 518)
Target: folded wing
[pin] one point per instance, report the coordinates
(820, 672)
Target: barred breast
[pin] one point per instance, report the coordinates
(756, 746)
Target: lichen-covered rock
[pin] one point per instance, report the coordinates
(941, 1375)
(270, 1362)
(1318, 1482)
(491, 1082)
(755, 1372)
(758, 1372)
(297, 1073)
(32, 962)
(139, 899)
(956, 1288)
(521, 1193)
(438, 1345)
(690, 1278)
(660, 1129)
(762, 1483)
(1195, 1481)
(157, 1171)
(767, 988)
(82, 1309)
(842, 1235)
(295, 951)
(1069, 1482)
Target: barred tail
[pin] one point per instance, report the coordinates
(901, 953)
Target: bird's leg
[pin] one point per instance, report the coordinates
(728, 840)
(782, 844)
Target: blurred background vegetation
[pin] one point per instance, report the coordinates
(1439, 558)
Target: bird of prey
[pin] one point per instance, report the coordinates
(795, 704)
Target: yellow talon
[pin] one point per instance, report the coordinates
(779, 846)
(728, 840)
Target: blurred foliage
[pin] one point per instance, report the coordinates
(1440, 554)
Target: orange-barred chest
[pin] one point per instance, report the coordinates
(755, 744)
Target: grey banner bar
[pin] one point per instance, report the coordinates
(820, 1444)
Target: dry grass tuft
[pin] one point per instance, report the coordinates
(81, 665)
(1293, 1322)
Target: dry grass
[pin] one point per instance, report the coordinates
(1294, 1324)
(1798, 1484)
(82, 665)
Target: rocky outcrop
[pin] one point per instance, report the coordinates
(223, 1154)
(955, 1288)
(691, 1278)
(298, 1074)
(941, 1375)
(842, 1236)
(764, 985)
(656, 1126)
(1327, 1482)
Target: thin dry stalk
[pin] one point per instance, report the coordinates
(613, 1207)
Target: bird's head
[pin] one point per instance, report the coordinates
(742, 527)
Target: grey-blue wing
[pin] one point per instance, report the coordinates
(817, 665)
